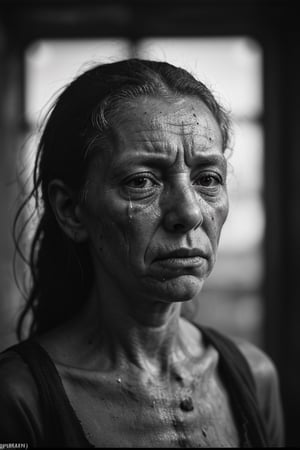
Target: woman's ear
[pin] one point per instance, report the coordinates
(67, 210)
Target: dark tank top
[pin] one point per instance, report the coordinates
(63, 429)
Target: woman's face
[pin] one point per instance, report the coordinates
(156, 199)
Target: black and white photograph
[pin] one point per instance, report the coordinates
(149, 224)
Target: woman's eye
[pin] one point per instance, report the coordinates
(208, 180)
(140, 182)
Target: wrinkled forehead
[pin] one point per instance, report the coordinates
(187, 118)
(174, 129)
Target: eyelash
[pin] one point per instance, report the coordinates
(213, 176)
(140, 176)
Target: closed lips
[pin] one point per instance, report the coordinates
(182, 253)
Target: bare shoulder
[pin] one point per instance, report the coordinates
(268, 389)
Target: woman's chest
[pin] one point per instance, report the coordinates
(123, 413)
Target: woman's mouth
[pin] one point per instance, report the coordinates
(180, 262)
(181, 258)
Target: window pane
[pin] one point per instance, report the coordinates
(244, 227)
(51, 64)
(229, 66)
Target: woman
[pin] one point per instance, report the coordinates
(131, 177)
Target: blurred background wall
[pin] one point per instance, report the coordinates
(245, 53)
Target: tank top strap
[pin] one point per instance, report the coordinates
(61, 425)
(239, 381)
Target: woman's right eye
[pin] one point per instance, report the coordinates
(140, 182)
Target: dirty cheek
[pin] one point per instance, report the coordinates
(217, 215)
(125, 229)
(142, 223)
(108, 229)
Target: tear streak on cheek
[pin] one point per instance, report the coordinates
(137, 211)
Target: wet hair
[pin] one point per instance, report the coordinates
(79, 122)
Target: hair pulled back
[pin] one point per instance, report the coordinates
(61, 270)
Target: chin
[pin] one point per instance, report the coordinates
(179, 289)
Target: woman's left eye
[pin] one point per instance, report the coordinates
(208, 180)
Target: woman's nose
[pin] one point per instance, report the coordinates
(183, 210)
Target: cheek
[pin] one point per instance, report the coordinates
(110, 234)
(143, 219)
(216, 217)
(123, 229)
(142, 222)
(221, 213)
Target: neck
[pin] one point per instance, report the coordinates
(148, 334)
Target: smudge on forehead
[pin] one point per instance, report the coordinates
(185, 118)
